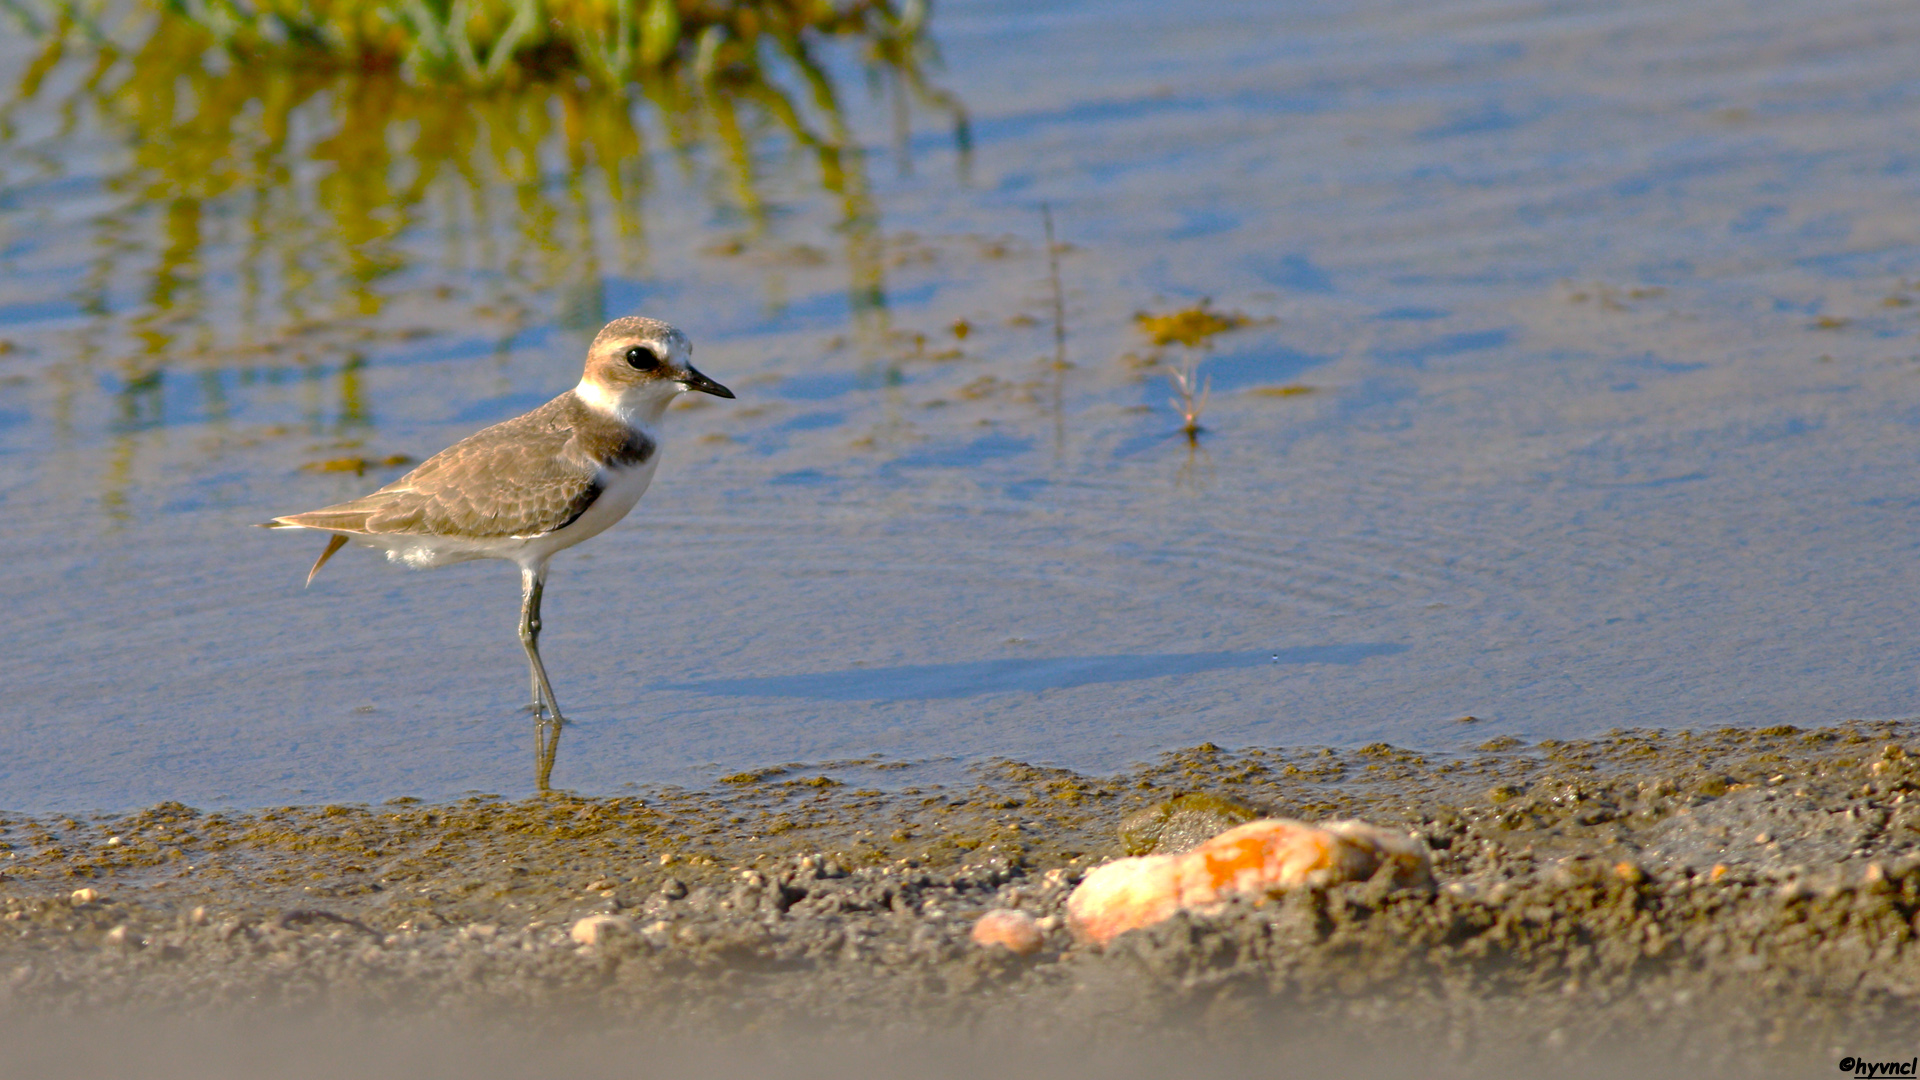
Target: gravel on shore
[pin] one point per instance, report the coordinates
(1684, 901)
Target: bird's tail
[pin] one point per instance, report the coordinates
(338, 541)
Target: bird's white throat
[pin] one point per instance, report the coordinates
(638, 407)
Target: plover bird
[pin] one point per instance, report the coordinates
(527, 488)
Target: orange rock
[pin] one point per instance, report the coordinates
(1258, 859)
(1014, 931)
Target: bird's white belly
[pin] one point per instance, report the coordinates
(623, 490)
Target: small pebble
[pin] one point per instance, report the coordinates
(1014, 931)
(595, 929)
(85, 896)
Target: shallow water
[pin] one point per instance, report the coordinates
(1614, 373)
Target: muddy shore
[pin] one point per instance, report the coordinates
(1735, 898)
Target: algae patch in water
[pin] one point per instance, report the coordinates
(358, 466)
(1192, 327)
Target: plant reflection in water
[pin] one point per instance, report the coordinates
(276, 199)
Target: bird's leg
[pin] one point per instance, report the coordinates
(546, 711)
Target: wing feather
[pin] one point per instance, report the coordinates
(521, 478)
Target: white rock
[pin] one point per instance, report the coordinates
(595, 929)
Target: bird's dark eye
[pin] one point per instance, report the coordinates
(641, 358)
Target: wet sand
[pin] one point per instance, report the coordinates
(1692, 901)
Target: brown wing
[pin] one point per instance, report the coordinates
(523, 477)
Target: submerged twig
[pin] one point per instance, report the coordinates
(1059, 294)
(1060, 364)
(1191, 396)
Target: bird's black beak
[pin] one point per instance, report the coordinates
(693, 380)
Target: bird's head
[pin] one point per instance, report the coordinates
(637, 365)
